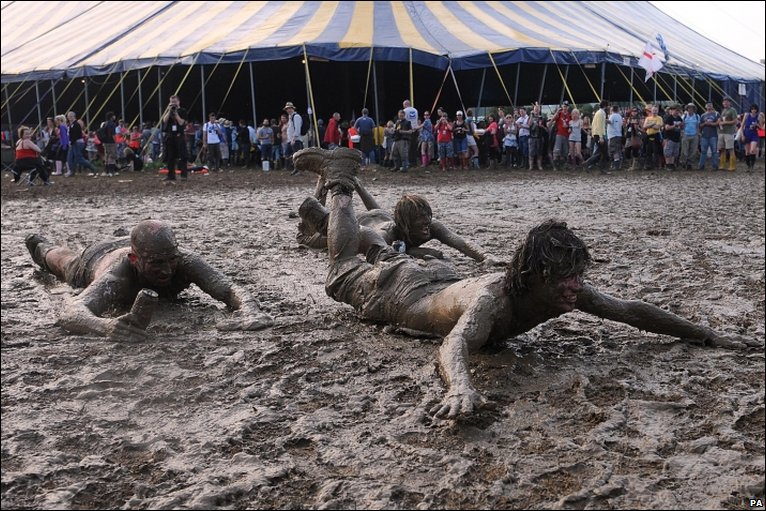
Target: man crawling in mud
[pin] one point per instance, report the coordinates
(411, 224)
(113, 273)
(543, 281)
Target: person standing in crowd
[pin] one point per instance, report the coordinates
(473, 147)
(536, 142)
(690, 138)
(402, 132)
(460, 140)
(652, 146)
(561, 144)
(190, 139)
(614, 137)
(173, 122)
(426, 137)
(727, 128)
(106, 135)
(389, 133)
(708, 136)
(633, 137)
(75, 154)
(243, 144)
(510, 143)
(575, 138)
(212, 137)
(265, 135)
(281, 136)
(522, 124)
(365, 127)
(411, 114)
(294, 140)
(62, 131)
(598, 133)
(750, 124)
(331, 138)
(444, 141)
(673, 124)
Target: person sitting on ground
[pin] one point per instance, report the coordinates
(412, 224)
(543, 281)
(113, 273)
(28, 157)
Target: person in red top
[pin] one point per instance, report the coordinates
(332, 133)
(135, 140)
(28, 158)
(561, 145)
(493, 144)
(443, 130)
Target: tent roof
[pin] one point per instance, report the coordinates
(45, 40)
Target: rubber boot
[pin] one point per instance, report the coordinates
(722, 161)
(732, 162)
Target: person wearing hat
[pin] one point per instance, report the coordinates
(673, 125)
(727, 128)
(708, 136)
(691, 136)
(294, 140)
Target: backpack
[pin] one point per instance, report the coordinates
(101, 133)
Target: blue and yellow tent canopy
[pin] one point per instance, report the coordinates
(47, 40)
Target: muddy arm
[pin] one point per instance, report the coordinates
(367, 199)
(81, 313)
(220, 287)
(440, 232)
(651, 318)
(468, 335)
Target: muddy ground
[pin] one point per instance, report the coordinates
(326, 411)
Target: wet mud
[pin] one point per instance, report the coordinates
(324, 410)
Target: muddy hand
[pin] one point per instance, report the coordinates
(460, 404)
(122, 329)
(490, 260)
(250, 322)
(733, 342)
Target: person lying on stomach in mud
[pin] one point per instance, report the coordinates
(412, 224)
(137, 270)
(544, 280)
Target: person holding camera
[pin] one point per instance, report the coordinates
(173, 122)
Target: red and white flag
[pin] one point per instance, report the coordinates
(650, 61)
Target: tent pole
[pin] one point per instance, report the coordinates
(709, 92)
(375, 92)
(603, 79)
(8, 102)
(122, 98)
(202, 84)
(516, 88)
(481, 89)
(159, 92)
(140, 101)
(675, 88)
(53, 93)
(542, 84)
(87, 103)
(655, 89)
(252, 95)
(412, 83)
(694, 84)
(631, 86)
(563, 85)
(39, 111)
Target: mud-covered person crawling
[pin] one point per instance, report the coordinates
(544, 280)
(113, 273)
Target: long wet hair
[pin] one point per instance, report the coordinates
(409, 207)
(550, 252)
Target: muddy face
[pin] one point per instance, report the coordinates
(157, 269)
(420, 230)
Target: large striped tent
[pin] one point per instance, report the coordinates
(525, 42)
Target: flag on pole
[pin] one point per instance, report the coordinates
(650, 61)
(663, 47)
